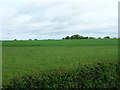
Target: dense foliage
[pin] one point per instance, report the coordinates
(100, 75)
(75, 37)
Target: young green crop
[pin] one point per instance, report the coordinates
(82, 42)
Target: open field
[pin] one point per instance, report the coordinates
(23, 57)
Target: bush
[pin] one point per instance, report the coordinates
(90, 76)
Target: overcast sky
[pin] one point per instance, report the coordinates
(42, 19)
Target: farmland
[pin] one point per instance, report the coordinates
(30, 57)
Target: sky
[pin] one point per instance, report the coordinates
(55, 19)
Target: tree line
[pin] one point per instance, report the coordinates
(76, 36)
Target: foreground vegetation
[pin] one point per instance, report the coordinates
(26, 58)
(100, 75)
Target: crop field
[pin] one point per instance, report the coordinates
(30, 57)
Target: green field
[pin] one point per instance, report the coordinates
(30, 57)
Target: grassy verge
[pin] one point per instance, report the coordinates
(100, 75)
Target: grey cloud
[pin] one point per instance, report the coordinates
(56, 19)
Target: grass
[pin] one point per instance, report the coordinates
(30, 57)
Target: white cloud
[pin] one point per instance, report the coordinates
(40, 19)
(21, 19)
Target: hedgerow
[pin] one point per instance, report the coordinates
(89, 76)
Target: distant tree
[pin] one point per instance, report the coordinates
(15, 39)
(67, 37)
(84, 38)
(63, 38)
(30, 39)
(107, 37)
(99, 37)
(35, 39)
(72, 37)
(76, 36)
(91, 37)
(81, 37)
